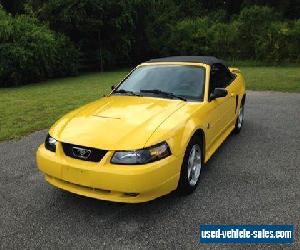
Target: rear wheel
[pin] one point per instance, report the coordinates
(191, 167)
(240, 119)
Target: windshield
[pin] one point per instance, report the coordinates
(181, 81)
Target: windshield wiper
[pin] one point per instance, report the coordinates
(163, 93)
(123, 91)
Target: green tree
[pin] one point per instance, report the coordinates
(101, 28)
(253, 23)
(13, 6)
(30, 52)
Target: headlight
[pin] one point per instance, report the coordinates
(142, 156)
(50, 143)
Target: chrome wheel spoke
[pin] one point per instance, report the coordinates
(241, 117)
(194, 165)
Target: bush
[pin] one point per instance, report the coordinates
(202, 36)
(253, 24)
(256, 34)
(272, 47)
(190, 37)
(30, 52)
(264, 37)
(223, 40)
(294, 41)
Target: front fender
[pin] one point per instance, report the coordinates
(178, 129)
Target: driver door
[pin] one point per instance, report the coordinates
(221, 109)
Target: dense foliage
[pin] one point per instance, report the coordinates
(30, 52)
(256, 33)
(119, 33)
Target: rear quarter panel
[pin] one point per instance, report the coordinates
(240, 86)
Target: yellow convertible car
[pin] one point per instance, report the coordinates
(151, 135)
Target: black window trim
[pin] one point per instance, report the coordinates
(231, 75)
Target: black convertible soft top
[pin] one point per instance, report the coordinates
(210, 60)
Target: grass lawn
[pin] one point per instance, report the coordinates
(37, 106)
(286, 79)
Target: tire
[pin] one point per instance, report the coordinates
(240, 119)
(189, 176)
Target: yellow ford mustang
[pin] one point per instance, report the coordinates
(151, 135)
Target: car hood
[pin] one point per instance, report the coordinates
(115, 122)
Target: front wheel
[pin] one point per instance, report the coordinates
(191, 167)
(240, 119)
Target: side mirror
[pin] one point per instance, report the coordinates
(218, 92)
(113, 87)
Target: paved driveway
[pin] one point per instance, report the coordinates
(254, 178)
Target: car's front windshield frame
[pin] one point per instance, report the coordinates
(199, 98)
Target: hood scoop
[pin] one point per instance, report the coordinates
(116, 122)
(107, 117)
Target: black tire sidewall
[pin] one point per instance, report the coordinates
(236, 128)
(184, 186)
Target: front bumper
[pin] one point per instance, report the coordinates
(105, 181)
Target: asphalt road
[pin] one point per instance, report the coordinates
(254, 178)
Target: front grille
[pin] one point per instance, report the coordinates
(95, 154)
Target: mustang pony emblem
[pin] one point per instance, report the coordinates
(81, 152)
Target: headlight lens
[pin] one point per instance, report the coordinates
(142, 156)
(50, 143)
